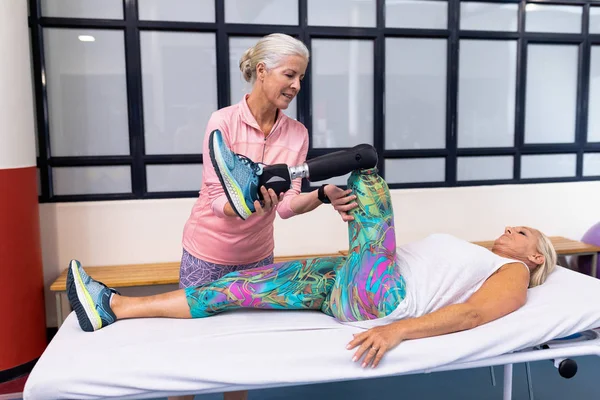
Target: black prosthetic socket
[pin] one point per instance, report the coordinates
(276, 177)
(362, 156)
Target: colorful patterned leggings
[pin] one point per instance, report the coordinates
(364, 285)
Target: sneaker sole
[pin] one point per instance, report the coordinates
(81, 301)
(232, 189)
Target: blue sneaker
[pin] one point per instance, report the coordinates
(89, 298)
(238, 174)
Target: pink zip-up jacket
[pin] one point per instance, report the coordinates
(212, 236)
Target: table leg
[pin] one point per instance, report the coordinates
(508, 380)
(594, 267)
(562, 261)
(60, 301)
(529, 382)
(59, 316)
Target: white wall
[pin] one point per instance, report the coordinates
(17, 139)
(141, 231)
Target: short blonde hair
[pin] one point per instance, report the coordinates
(541, 273)
(270, 50)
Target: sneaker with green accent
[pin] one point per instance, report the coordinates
(238, 174)
(89, 299)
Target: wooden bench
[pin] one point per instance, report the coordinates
(119, 276)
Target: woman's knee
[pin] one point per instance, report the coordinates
(368, 183)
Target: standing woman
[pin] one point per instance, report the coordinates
(216, 241)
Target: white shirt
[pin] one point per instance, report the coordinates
(439, 270)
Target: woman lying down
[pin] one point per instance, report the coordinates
(437, 285)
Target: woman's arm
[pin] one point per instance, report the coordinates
(502, 294)
(228, 210)
(304, 202)
(340, 199)
(294, 202)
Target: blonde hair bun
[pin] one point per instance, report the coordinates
(246, 64)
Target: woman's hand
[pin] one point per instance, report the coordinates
(374, 343)
(341, 200)
(270, 201)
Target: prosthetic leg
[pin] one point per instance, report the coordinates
(241, 178)
(279, 176)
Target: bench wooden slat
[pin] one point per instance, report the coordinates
(146, 274)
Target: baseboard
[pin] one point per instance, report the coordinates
(24, 369)
(50, 332)
(18, 371)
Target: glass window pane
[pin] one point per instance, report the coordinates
(591, 164)
(595, 20)
(415, 170)
(418, 14)
(415, 93)
(548, 166)
(174, 178)
(594, 103)
(87, 92)
(91, 180)
(342, 13)
(486, 93)
(484, 168)
(280, 12)
(554, 19)
(489, 16)
(105, 9)
(179, 78)
(342, 92)
(177, 10)
(551, 93)
(238, 86)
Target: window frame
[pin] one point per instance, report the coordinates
(137, 160)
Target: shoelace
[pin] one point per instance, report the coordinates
(256, 167)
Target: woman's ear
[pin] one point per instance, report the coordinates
(537, 258)
(261, 70)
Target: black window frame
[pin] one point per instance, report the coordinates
(131, 26)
